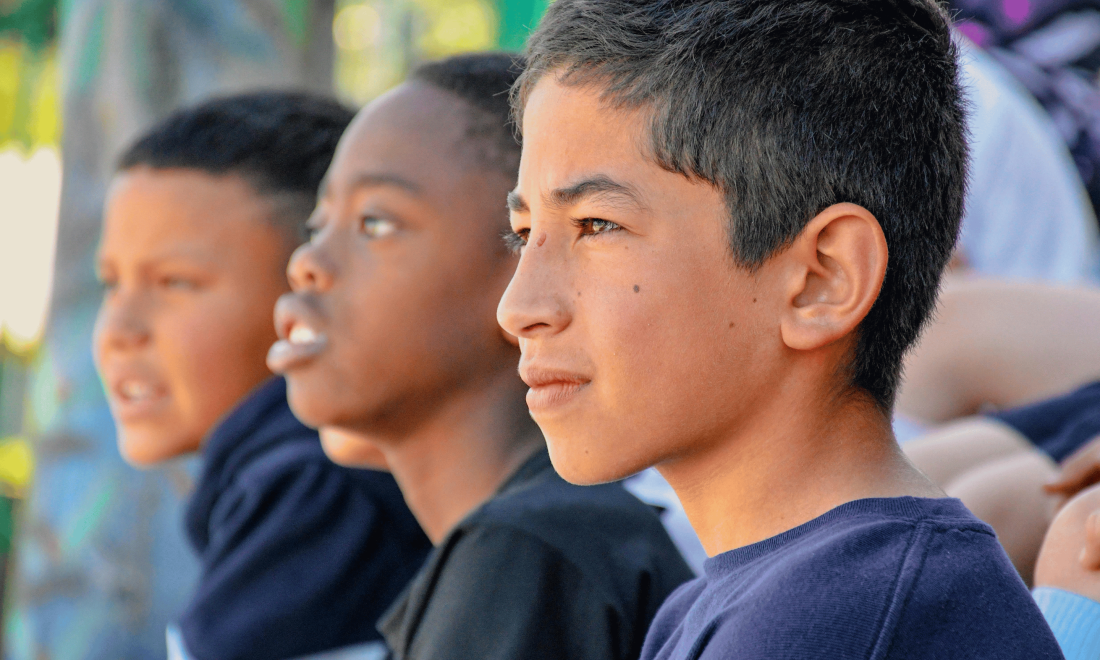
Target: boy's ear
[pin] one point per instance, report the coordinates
(832, 276)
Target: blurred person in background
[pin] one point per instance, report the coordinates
(298, 555)
(1051, 47)
(1027, 214)
(1067, 577)
(1008, 384)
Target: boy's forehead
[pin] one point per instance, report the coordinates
(571, 135)
(185, 212)
(411, 129)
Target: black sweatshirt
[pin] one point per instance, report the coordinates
(543, 570)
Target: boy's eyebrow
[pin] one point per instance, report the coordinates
(596, 186)
(370, 180)
(516, 203)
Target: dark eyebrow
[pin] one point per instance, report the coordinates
(368, 180)
(516, 203)
(597, 186)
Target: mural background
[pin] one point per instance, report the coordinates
(98, 564)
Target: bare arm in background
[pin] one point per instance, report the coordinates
(1001, 344)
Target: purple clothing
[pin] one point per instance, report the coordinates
(871, 579)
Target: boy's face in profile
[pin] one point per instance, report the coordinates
(641, 338)
(394, 296)
(191, 267)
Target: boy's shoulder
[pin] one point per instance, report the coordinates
(262, 441)
(259, 438)
(287, 538)
(260, 454)
(876, 578)
(542, 569)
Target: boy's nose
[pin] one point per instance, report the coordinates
(121, 327)
(533, 303)
(309, 269)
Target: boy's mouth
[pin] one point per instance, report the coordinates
(299, 341)
(550, 387)
(301, 345)
(133, 398)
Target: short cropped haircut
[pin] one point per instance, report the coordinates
(483, 81)
(281, 143)
(788, 107)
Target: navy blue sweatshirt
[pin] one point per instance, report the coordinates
(1058, 426)
(298, 554)
(872, 579)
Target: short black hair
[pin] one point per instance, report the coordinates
(788, 107)
(280, 142)
(483, 81)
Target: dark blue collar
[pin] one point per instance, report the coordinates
(260, 422)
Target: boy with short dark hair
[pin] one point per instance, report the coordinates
(733, 218)
(298, 555)
(391, 334)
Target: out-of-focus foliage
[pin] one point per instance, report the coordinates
(35, 21)
(29, 125)
(16, 465)
(379, 41)
(28, 74)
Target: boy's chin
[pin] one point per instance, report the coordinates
(350, 450)
(310, 408)
(145, 449)
(582, 463)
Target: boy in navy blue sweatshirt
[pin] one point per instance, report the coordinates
(298, 555)
(733, 217)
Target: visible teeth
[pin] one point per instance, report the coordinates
(135, 390)
(302, 334)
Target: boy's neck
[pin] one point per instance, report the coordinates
(456, 459)
(786, 466)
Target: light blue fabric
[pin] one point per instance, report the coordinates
(650, 487)
(1074, 619)
(177, 650)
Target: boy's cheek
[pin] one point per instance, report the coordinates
(647, 391)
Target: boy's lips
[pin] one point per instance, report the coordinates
(300, 341)
(135, 396)
(551, 387)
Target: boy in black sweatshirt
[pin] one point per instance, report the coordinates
(391, 333)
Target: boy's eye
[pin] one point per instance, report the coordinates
(592, 226)
(515, 240)
(375, 227)
(178, 283)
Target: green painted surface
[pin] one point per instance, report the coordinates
(296, 18)
(34, 21)
(7, 525)
(517, 19)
